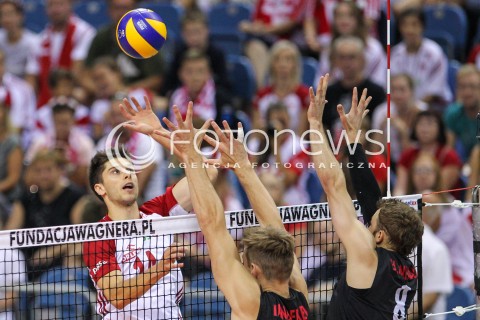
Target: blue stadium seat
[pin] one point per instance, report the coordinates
(460, 297)
(230, 43)
(451, 19)
(444, 40)
(225, 17)
(314, 187)
(308, 71)
(92, 11)
(171, 15)
(35, 15)
(453, 66)
(241, 76)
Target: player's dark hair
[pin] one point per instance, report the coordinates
(97, 166)
(271, 249)
(441, 136)
(412, 12)
(401, 223)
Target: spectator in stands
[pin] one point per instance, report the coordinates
(403, 110)
(143, 73)
(12, 273)
(271, 21)
(460, 117)
(151, 179)
(430, 136)
(11, 159)
(19, 95)
(285, 87)
(348, 56)
(16, 42)
(283, 154)
(197, 85)
(48, 202)
(422, 59)
(350, 21)
(316, 27)
(195, 36)
(64, 44)
(62, 83)
(74, 146)
(109, 82)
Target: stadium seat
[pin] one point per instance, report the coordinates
(309, 69)
(35, 15)
(241, 76)
(225, 17)
(444, 40)
(171, 15)
(92, 11)
(314, 187)
(453, 66)
(460, 297)
(230, 43)
(451, 19)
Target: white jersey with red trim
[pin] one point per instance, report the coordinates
(132, 256)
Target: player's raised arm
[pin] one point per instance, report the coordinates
(366, 187)
(234, 155)
(358, 241)
(238, 286)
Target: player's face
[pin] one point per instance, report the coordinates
(58, 11)
(120, 184)
(468, 90)
(195, 35)
(10, 18)
(284, 64)
(411, 29)
(344, 20)
(194, 74)
(402, 95)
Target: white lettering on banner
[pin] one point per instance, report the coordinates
(158, 227)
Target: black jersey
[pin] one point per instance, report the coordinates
(276, 307)
(392, 291)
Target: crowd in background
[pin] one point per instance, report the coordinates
(60, 92)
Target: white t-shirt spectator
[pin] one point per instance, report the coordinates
(428, 68)
(17, 54)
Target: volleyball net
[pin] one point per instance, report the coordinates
(43, 273)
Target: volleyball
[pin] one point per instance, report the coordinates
(141, 33)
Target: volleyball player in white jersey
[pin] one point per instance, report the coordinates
(135, 278)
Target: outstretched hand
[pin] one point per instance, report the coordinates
(232, 151)
(352, 122)
(317, 101)
(184, 139)
(141, 120)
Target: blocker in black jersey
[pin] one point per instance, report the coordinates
(276, 307)
(393, 289)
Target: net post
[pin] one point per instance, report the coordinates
(420, 268)
(476, 237)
